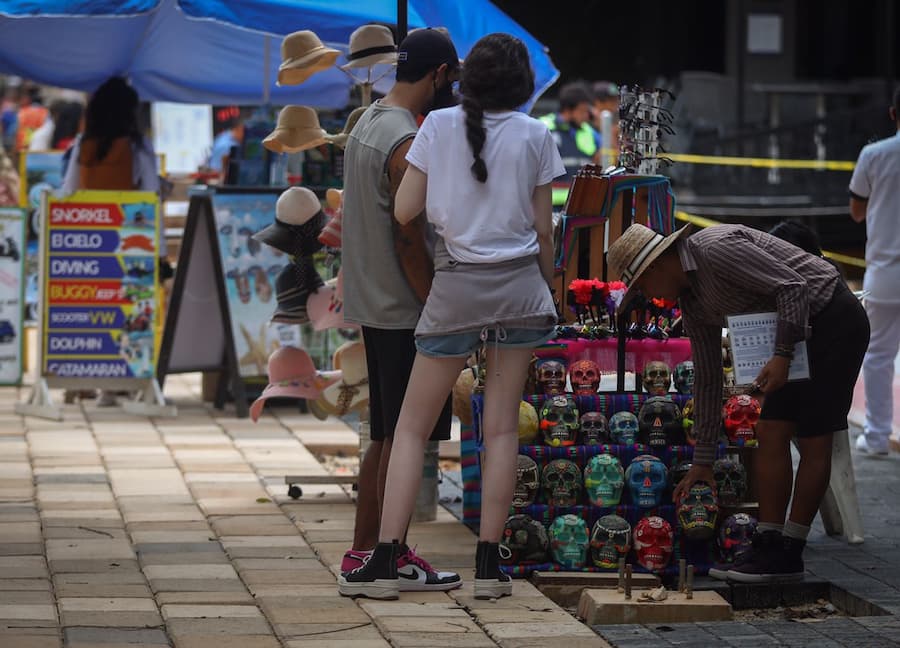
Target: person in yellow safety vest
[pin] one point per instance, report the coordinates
(578, 142)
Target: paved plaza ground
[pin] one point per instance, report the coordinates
(119, 531)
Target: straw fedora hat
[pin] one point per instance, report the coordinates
(302, 55)
(351, 393)
(635, 250)
(340, 139)
(371, 45)
(292, 375)
(297, 130)
(299, 220)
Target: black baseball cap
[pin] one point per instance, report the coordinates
(425, 49)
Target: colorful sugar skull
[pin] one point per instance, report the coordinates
(659, 422)
(687, 421)
(647, 479)
(679, 472)
(604, 480)
(731, 481)
(594, 429)
(585, 377)
(741, 414)
(559, 421)
(623, 428)
(528, 480)
(528, 423)
(526, 540)
(735, 536)
(684, 377)
(698, 511)
(561, 481)
(653, 542)
(610, 540)
(569, 541)
(657, 378)
(552, 377)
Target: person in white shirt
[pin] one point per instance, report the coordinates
(482, 173)
(875, 200)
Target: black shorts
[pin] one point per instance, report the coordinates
(389, 356)
(840, 336)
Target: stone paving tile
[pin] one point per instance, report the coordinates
(105, 637)
(217, 641)
(26, 641)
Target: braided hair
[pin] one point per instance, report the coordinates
(496, 75)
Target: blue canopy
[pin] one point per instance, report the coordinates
(218, 52)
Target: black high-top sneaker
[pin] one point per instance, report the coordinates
(769, 563)
(720, 570)
(490, 581)
(793, 557)
(377, 577)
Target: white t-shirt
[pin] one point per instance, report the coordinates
(492, 221)
(877, 177)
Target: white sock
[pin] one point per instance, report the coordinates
(796, 531)
(762, 527)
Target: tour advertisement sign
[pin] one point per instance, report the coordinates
(250, 269)
(12, 239)
(100, 285)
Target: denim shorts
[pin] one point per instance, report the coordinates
(461, 345)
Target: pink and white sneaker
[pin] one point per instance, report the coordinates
(416, 575)
(353, 559)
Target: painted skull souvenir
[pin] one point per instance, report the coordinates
(551, 375)
(647, 479)
(559, 421)
(657, 378)
(585, 377)
(528, 423)
(659, 422)
(604, 480)
(653, 542)
(741, 414)
(610, 540)
(561, 481)
(594, 429)
(687, 422)
(526, 540)
(528, 480)
(684, 377)
(623, 428)
(736, 535)
(698, 511)
(731, 481)
(569, 541)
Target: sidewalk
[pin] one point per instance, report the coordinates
(120, 531)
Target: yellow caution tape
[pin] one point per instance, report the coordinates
(759, 163)
(699, 221)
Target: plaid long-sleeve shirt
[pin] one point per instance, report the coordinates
(732, 270)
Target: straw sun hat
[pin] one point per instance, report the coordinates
(340, 139)
(371, 45)
(302, 55)
(635, 250)
(297, 130)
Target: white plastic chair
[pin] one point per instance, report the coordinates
(840, 506)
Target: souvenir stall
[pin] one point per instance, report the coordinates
(598, 457)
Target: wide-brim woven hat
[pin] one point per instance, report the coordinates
(293, 286)
(340, 139)
(292, 374)
(634, 251)
(297, 130)
(302, 55)
(371, 45)
(298, 221)
(351, 393)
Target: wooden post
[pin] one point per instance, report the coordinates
(621, 586)
(627, 582)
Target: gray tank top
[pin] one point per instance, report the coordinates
(376, 292)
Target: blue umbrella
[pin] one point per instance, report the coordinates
(218, 52)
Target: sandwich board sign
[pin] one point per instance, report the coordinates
(223, 297)
(12, 293)
(100, 299)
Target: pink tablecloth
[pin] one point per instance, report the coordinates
(603, 352)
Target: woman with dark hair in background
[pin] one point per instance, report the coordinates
(488, 195)
(68, 123)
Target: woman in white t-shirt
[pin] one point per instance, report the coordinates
(482, 173)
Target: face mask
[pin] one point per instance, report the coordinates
(444, 97)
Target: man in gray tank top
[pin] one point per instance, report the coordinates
(387, 273)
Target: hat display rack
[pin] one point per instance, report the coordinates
(303, 229)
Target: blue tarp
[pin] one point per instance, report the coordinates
(204, 51)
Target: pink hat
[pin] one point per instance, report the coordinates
(325, 307)
(293, 375)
